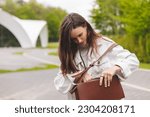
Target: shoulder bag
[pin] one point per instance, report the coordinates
(91, 90)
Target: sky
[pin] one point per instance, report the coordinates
(82, 7)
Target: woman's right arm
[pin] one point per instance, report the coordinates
(64, 83)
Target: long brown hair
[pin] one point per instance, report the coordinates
(67, 47)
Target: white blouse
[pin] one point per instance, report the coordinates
(118, 56)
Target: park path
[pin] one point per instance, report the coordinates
(39, 84)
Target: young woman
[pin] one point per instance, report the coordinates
(79, 46)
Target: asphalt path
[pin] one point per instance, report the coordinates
(33, 85)
(38, 85)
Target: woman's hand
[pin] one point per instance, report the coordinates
(108, 74)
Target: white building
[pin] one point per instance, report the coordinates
(26, 32)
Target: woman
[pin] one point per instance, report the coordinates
(79, 46)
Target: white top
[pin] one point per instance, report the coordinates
(118, 56)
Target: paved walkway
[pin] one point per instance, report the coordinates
(10, 59)
(29, 85)
(39, 84)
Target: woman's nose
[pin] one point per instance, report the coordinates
(79, 40)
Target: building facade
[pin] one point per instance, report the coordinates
(26, 33)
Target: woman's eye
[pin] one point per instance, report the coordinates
(80, 35)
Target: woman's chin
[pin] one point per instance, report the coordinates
(83, 45)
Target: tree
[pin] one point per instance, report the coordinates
(54, 18)
(126, 20)
(136, 19)
(105, 17)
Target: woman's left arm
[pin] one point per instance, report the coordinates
(123, 64)
(127, 61)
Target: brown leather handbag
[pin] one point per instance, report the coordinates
(91, 90)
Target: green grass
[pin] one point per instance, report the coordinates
(18, 53)
(44, 67)
(145, 65)
(4, 71)
(53, 53)
(52, 45)
(50, 66)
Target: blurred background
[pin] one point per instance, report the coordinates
(29, 41)
(124, 21)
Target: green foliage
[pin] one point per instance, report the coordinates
(37, 11)
(145, 66)
(9, 6)
(53, 45)
(53, 53)
(105, 17)
(43, 67)
(18, 53)
(54, 18)
(127, 22)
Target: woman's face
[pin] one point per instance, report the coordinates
(79, 36)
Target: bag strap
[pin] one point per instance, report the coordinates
(108, 50)
(92, 64)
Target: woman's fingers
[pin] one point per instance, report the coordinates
(109, 80)
(108, 83)
(105, 79)
(107, 75)
(101, 80)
